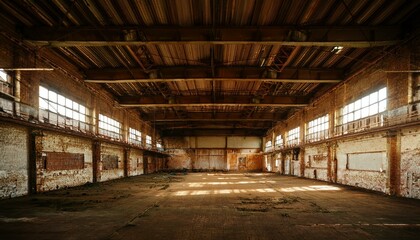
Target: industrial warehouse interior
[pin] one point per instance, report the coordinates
(210, 119)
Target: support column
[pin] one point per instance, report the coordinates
(16, 93)
(127, 162)
(96, 161)
(32, 158)
(227, 166)
(394, 162)
(331, 162)
(282, 161)
(145, 164)
(302, 162)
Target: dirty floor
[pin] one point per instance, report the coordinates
(210, 206)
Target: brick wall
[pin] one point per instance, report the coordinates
(61, 143)
(27, 142)
(396, 147)
(13, 160)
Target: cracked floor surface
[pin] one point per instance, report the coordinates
(210, 206)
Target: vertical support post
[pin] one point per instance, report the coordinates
(302, 162)
(146, 164)
(125, 128)
(394, 162)
(32, 157)
(96, 161)
(331, 162)
(227, 166)
(127, 162)
(16, 93)
(282, 160)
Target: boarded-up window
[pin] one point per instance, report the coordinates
(109, 162)
(63, 161)
(370, 161)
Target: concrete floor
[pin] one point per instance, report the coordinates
(210, 206)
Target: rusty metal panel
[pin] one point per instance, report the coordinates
(63, 161)
(109, 162)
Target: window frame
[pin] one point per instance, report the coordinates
(365, 112)
(318, 129)
(268, 146)
(59, 110)
(295, 132)
(134, 136)
(149, 141)
(109, 127)
(279, 141)
(6, 85)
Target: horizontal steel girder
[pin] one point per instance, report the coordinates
(346, 36)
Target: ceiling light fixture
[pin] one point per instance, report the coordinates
(337, 49)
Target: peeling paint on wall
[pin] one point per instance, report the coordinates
(136, 162)
(184, 154)
(13, 161)
(374, 180)
(316, 162)
(53, 142)
(109, 149)
(410, 163)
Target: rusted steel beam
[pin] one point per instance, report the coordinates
(167, 116)
(206, 100)
(346, 36)
(220, 73)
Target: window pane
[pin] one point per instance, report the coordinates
(75, 106)
(365, 112)
(52, 96)
(82, 109)
(357, 114)
(382, 105)
(373, 97)
(382, 94)
(345, 110)
(82, 117)
(69, 103)
(43, 92)
(345, 119)
(3, 75)
(75, 115)
(43, 104)
(373, 109)
(69, 113)
(357, 104)
(365, 101)
(351, 107)
(61, 100)
(350, 117)
(52, 107)
(61, 110)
